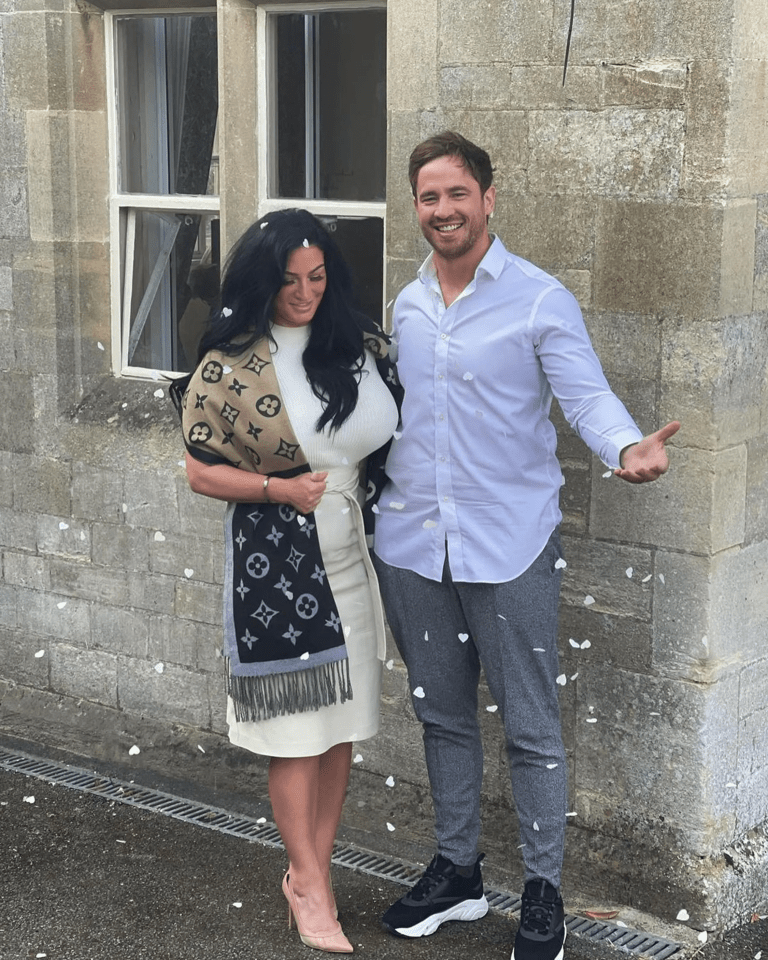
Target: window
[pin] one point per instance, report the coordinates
(323, 143)
(164, 197)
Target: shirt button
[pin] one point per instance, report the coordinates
(439, 376)
(441, 417)
(443, 336)
(445, 499)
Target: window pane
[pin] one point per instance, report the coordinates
(361, 241)
(172, 282)
(167, 104)
(336, 61)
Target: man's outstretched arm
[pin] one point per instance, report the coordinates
(646, 460)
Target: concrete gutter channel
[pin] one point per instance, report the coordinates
(47, 882)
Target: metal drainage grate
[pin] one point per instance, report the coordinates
(354, 858)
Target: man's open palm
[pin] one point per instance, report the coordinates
(647, 460)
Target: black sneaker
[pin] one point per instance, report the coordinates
(542, 923)
(441, 894)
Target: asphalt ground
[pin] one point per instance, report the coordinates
(86, 878)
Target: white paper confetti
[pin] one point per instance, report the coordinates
(358, 758)
(608, 474)
(551, 766)
(591, 719)
(389, 664)
(159, 537)
(500, 616)
(134, 751)
(375, 508)
(40, 653)
(574, 676)
(390, 304)
(100, 345)
(429, 524)
(468, 376)
(304, 656)
(347, 631)
(419, 692)
(390, 781)
(705, 642)
(588, 600)
(397, 434)
(158, 394)
(586, 645)
(539, 650)
(301, 520)
(188, 572)
(629, 571)
(730, 784)
(227, 311)
(758, 954)
(262, 820)
(702, 937)
(560, 564)
(654, 714)
(29, 799)
(574, 643)
(63, 526)
(264, 225)
(62, 604)
(426, 635)
(226, 368)
(492, 708)
(396, 505)
(572, 813)
(159, 667)
(661, 577)
(463, 637)
(562, 679)
(535, 826)
(683, 915)
(390, 826)
(646, 579)
(39, 956)
(200, 748)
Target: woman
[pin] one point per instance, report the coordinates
(285, 405)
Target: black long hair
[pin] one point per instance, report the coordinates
(253, 275)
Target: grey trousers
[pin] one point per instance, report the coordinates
(445, 632)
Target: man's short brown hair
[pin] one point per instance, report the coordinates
(451, 144)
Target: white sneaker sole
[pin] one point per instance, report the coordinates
(562, 951)
(466, 910)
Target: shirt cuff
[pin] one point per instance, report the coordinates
(624, 438)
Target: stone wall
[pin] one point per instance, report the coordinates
(642, 184)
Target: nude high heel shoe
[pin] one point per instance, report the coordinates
(331, 940)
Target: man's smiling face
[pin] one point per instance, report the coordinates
(453, 213)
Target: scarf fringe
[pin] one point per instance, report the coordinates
(274, 695)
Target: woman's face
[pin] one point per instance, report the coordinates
(303, 287)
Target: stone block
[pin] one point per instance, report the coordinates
(20, 662)
(541, 85)
(150, 498)
(83, 674)
(484, 32)
(97, 494)
(622, 642)
(17, 530)
(89, 80)
(657, 258)
(412, 36)
(713, 379)
(737, 266)
(507, 139)
(6, 288)
(482, 86)
(8, 606)
(119, 546)
(17, 394)
(739, 598)
(760, 296)
(56, 616)
(653, 84)
(25, 58)
(186, 643)
(524, 222)
(152, 593)
(748, 104)
(751, 804)
(119, 631)
(683, 641)
(197, 601)
(199, 517)
(752, 689)
(574, 497)
(63, 537)
(658, 737)
(26, 570)
(698, 506)
(89, 174)
(753, 746)
(629, 346)
(618, 152)
(14, 212)
(705, 166)
(175, 695)
(6, 478)
(750, 28)
(598, 570)
(183, 556)
(41, 485)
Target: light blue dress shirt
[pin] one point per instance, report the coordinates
(475, 465)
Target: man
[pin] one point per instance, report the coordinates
(467, 538)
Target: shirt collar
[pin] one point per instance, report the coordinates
(492, 263)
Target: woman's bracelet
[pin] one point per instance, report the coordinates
(265, 486)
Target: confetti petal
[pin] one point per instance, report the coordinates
(62, 604)
(29, 799)
(591, 719)
(390, 826)
(375, 508)
(237, 904)
(586, 645)
(574, 643)
(389, 664)
(100, 345)
(562, 679)
(683, 915)
(301, 520)
(304, 656)
(607, 474)
(426, 635)
(702, 937)
(134, 751)
(227, 311)
(419, 692)
(226, 368)
(492, 708)
(200, 748)
(159, 667)
(63, 526)
(661, 577)
(396, 505)
(463, 637)
(188, 572)
(390, 781)
(552, 766)
(535, 826)
(158, 394)
(560, 564)
(159, 537)
(40, 653)
(588, 600)
(646, 579)
(468, 376)
(629, 571)
(428, 524)
(305, 243)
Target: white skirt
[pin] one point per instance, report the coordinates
(356, 592)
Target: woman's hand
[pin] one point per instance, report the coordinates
(303, 492)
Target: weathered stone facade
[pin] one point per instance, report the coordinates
(642, 183)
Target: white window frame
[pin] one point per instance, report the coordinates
(128, 204)
(266, 125)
